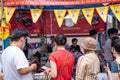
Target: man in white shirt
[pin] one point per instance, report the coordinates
(14, 63)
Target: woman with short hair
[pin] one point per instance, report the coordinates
(61, 60)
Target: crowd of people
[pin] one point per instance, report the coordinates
(78, 62)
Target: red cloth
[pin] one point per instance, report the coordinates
(60, 57)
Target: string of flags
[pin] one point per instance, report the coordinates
(59, 14)
(88, 13)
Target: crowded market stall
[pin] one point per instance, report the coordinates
(40, 18)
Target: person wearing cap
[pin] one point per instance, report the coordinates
(88, 65)
(14, 63)
(93, 34)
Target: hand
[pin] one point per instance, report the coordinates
(48, 71)
(106, 68)
(34, 66)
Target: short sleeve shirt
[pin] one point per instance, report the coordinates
(87, 66)
(60, 57)
(14, 59)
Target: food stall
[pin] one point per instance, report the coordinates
(51, 16)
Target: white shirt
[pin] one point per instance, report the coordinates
(13, 59)
(0, 64)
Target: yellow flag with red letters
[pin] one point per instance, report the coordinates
(88, 13)
(60, 14)
(5, 30)
(116, 10)
(74, 14)
(35, 14)
(4, 33)
(9, 11)
(103, 12)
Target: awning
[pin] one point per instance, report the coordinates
(54, 2)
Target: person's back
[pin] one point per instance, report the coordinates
(88, 67)
(9, 59)
(107, 50)
(60, 58)
(61, 61)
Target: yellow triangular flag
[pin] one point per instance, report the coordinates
(60, 14)
(9, 13)
(88, 13)
(116, 10)
(4, 33)
(103, 12)
(35, 14)
(74, 14)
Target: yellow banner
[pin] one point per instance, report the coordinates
(60, 14)
(9, 13)
(5, 30)
(116, 10)
(103, 12)
(88, 13)
(4, 33)
(74, 14)
(35, 14)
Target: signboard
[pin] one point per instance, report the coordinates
(23, 20)
(54, 2)
(47, 23)
(82, 25)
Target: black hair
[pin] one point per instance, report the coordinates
(92, 32)
(60, 39)
(112, 31)
(17, 34)
(74, 39)
(113, 38)
(116, 45)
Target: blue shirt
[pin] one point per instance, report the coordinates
(114, 67)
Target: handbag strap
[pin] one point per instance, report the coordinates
(61, 70)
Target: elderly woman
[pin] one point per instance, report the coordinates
(61, 61)
(88, 65)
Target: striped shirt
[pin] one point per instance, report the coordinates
(87, 67)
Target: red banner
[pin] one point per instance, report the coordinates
(82, 25)
(23, 20)
(47, 23)
(54, 2)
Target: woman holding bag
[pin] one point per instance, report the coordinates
(61, 61)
